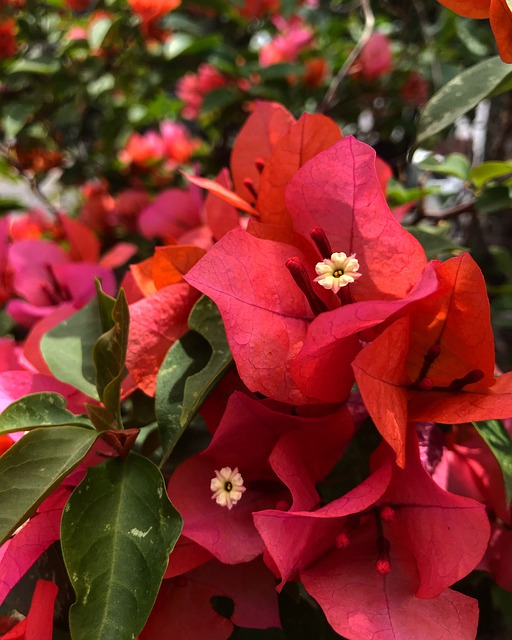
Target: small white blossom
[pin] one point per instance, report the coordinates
(227, 487)
(337, 271)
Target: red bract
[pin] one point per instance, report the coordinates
(183, 607)
(443, 360)
(281, 349)
(379, 559)
(7, 38)
(160, 303)
(38, 625)
(280, 457)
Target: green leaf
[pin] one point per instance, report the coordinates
(16, 116)
(461, 94)
(488, 171)
(191, 369)
(98, 32)
(205, 318)
(118, 529)
(102, 418)
(187, 356)
(456, 164)
(33, 467)
(176, 45)
(39, 67)
(67, 349)
(435, 245)
(499, 442)
(221, 98)
(493, 199)
(109, 352)
(39, 410)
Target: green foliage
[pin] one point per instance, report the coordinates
(33, 467)
(109, 352)
(435, 241)
(499, 442)
(460, 95)
(456, 164)
(118, 530)
(38, 410)
(67, 349)
(191, 369)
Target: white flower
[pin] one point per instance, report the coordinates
(227, 487)
(337, 271)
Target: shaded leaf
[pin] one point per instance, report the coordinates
(221, 98)
(499, 442)
(205, 318)
(434, 244)
(109, 353)
(187, 356)
(33, 467)
(493, 199)
(123, 507)
(67, 349)
(462, 93)
(39, 410)
(101, 417)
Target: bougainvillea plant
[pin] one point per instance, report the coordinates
(239, 397)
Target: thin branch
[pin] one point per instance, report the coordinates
(29, 180)
(328, 100)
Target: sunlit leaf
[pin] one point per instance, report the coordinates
(38, 410)
(33, 467)
(67, 349)
(118, 530)
(461, 94)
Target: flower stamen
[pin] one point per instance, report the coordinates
(227, 487)
(337, 271)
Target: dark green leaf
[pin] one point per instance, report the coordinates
(191, 369)
(118, 530)
(499, 442)
(494, 199)
(187, 356)
(39, 410)
(205, 318)
(461, 94)
(109, 352)
(67, 349)
(456, 164)
(101, 417)
(435, 245)
(221, 98)
(15, 117)
(33, 467)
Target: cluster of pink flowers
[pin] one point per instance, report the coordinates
(173, 144)
(193, 87)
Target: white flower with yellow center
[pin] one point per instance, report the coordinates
(227, 487)
(337, 271)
